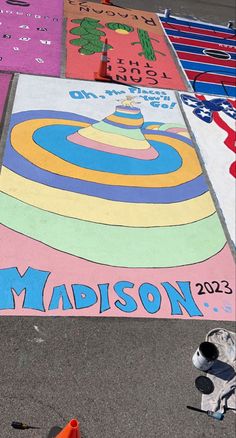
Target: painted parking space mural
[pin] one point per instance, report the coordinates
(31, 34)
(207, 53)
(137, 47)
(104, 208)
(4, 85)
(213, 120)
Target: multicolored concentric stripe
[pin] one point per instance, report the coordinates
(105, 207)
(207, 54)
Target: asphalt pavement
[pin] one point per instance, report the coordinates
(120, 377)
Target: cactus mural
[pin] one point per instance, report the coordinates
(146, 44)
(138, 52)
(89, 36)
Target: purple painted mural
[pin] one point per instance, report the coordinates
(31, 36)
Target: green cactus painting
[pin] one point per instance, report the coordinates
(146, 42)
(89, 34)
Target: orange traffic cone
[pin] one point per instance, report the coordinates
(70, 431)
(102, 75)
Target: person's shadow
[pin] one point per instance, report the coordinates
(54, 431)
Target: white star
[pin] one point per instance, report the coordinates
(225, 105)
(202, 114)
(190, 102)
(231, 111)
(205, 110)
